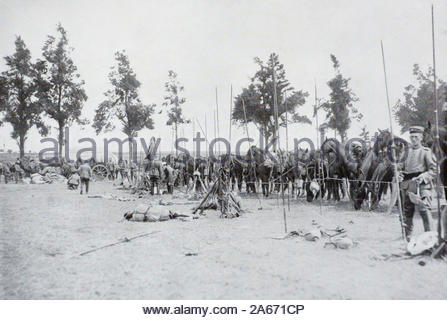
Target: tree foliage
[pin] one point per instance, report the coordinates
(365, 134)
(418, 104)
(123, 103)
(340, 107)
(258, 99)
(18, 103)
(174, 100)
(60, 89)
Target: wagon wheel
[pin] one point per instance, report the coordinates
(100, 172)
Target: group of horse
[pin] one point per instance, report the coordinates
(334, 171)
(361, 172)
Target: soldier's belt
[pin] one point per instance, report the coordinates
(409, 176)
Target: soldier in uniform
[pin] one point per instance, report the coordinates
(111, 168)
(154, 171)
(418, 172)
(133, 171)
(170, 174)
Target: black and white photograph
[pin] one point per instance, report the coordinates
(223, 150)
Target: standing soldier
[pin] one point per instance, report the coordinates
(133, 172)
(120, 169)
(85, 173)
(126, 170)
(111, 168)
(154, 171)
(18, 171)
(418, 172)
(170, 175)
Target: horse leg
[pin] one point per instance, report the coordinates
(337, 186)
(239, 183)
(265, 185)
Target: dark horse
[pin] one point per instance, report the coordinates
(341, 163)
(373, 168)
(263, 168)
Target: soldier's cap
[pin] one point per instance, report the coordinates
(416, 129)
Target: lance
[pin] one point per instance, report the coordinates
(231, 116)
(251, 154)
(320, 165)
(217, 119)
(229, 136)
(214, 129)
(203, 132)
(437, 127)
(193, 144)
(393, 151)
(287, 149)
(206, 142)
(172, 140)
(206, 133)
(275, 104)
(276, 136)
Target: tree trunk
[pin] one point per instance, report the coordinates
(343, 136)
(266, 137)
(130, 149)
(176, 151)
(61, 140)
(275, 142)
(22, 145)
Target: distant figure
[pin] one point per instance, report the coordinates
(154, 171)
(111, 168)
(85, 173)
(73, 181)
(170, 174)
(133, 171)
(120, 169)
(18, 171)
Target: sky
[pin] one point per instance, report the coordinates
(212, 44)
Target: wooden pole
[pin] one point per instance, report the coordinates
(217, 119)
(393, 151)
(439, 228)
(277, 142)
(287, 149)
(231, 110)
(320, 164)
(206, 136)
(193, 145)
(275, 108)
(251, 153)
(214, 128)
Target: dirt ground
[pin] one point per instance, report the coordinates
(45, 228)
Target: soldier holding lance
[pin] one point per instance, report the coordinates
(416, 176)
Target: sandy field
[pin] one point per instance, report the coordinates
(45, 228)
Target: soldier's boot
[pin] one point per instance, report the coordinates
(408, 225)
(427, 220)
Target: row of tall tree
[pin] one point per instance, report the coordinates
(51, 87)
(256, 102)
